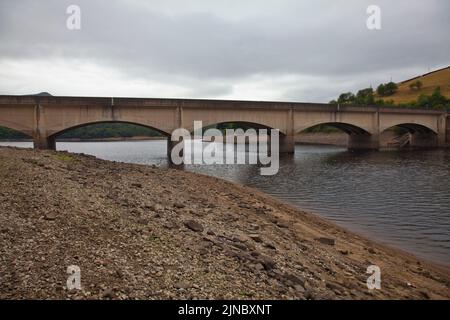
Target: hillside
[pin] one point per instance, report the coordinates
(430, 81)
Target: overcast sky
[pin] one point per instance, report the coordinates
(231, 49)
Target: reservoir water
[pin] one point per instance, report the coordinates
(398, 198)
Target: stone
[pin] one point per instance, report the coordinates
(193, 225)
(136, 185)
(50, 216)
(182, 285)
(108, 294)
(295, 280)
(270, 246)
(255, 237)
(143, 221)
(327, 241)
(267, 262)
(179, 205)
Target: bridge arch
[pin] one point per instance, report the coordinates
(7, 131)
(358, 137)
(49, 141)
(60, 132)
(348, 128)
(413, 128)
(412, 135)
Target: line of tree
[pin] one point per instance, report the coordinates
(367, 97)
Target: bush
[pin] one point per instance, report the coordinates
(387, 89)
(416, 86)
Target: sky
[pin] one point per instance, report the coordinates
(280, 50)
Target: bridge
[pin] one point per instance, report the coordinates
(45, 117)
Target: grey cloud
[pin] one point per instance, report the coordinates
(209, 44)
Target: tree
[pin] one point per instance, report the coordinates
(390, 88)
(346, 98)
(365, 96)
(416, 86)
(387, 89)
(381, 90)
(435, 101)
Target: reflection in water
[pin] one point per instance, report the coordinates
(399, 198)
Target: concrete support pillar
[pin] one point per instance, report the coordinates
(41, 140)
(363, 142)
(447, 139)
(170, 145)
(44, 143)
(287, 144)
(443, 131)
(287, 141)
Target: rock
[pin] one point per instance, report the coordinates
(169, 225)
(136, 185)
(344, 252)
(371, 251)
(299, 288)
(255, 237)
(270, 246)
(240, 245)
(193, 225)
(210, 233)
(282, 224)
(182, 285)
(50, 216)
(295, 280)
(267, 262)
(108, 294)
(238, 239)
(327, 241)
(425, 295)
(179, 205)
(143, 221)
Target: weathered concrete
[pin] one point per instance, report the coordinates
(44, 118)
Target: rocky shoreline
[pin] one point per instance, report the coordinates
(142, 232)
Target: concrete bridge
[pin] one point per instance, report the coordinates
(45, 117)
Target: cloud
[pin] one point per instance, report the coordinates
(309, 50)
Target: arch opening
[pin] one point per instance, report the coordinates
(286, 143)
(108, 130)
(9, 134)
(331, 127)
(408, 135)
(411, 128)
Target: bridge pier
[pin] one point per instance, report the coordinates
(170, 145)
(44, 143)
(287, 144)
(363, 142)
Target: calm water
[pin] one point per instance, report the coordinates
(398, 198)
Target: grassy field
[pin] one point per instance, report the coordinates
(430, 81)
